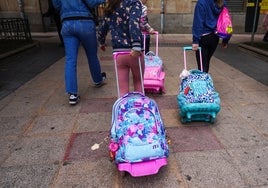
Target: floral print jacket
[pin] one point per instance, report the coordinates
(124, 25)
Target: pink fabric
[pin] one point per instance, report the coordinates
(125, 64)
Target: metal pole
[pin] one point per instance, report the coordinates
(42, 18)
(21, 6)
(162, 16)
(254, 21)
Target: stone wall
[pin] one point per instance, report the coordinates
(176, 16)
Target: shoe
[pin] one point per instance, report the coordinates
(103, 74)
(73, 99)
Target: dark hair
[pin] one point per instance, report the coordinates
(111, 6)
(219, 3)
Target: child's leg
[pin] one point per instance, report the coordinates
(135, 69)
(123, 74)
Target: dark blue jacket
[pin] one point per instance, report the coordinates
(205, 18)
(75, 8)
(124, 25)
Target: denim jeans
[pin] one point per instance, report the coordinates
(74, 33)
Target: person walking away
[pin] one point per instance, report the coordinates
(51, 11)
(206, 14)
(78, 27)
(265, 26)
(145, 26)
(122, 19)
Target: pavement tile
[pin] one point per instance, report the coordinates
(93, 122)
(80, 144)
(37, 150)
(6, 146)
(39, 175)
(97, 105)
(13, 125)
(51, 125)
(252, 165)
(165, 101)
(235, 132)
(193, 138)
(170, 117)
(87, 173)
(209, 169)
(106, 58)
(45, 142)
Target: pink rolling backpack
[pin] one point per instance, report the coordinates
(154, 75)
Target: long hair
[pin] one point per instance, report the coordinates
(219, 3)
(111, 6)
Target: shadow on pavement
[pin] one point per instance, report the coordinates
(21, 67)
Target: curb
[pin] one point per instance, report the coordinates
(254, 50)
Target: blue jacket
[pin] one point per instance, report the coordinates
(75, 8)
(205, 18)
(124, 25)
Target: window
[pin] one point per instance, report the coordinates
(236, 5)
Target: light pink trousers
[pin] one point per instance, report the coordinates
(125, 64)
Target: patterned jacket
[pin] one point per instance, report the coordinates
(124, 25)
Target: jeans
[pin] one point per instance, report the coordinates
(75, 32)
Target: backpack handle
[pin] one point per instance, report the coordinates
(186, 48)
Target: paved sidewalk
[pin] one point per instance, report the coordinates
(47, 143)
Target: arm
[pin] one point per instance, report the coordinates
(56, 4)
(134, 25)
(198, 22)
(102, 33)
(94, 3)
(145, 26)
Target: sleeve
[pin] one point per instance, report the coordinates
(102, 32)
(198, 23)
(145, 26)
(56, 4)
(94, 3)
(135, 12)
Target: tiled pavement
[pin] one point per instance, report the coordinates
(47, 143)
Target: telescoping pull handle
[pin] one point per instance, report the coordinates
(186, 48)
(156, 40)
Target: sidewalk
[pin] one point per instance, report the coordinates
(47, 143)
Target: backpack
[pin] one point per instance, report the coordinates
(153, 66)
(137, 132)
(154, 74)
(224, 24)
(198, 88)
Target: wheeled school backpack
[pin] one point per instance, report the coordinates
(154, 75)
(137, 132)
(137, 138)
(198, 99)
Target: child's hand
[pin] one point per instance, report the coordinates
(135, 53)
(103, 47)
(152, 31)
(195, 47)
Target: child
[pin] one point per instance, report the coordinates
(145, 27)
(206, 15)
(122, 18)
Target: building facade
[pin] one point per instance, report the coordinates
(166, 16)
